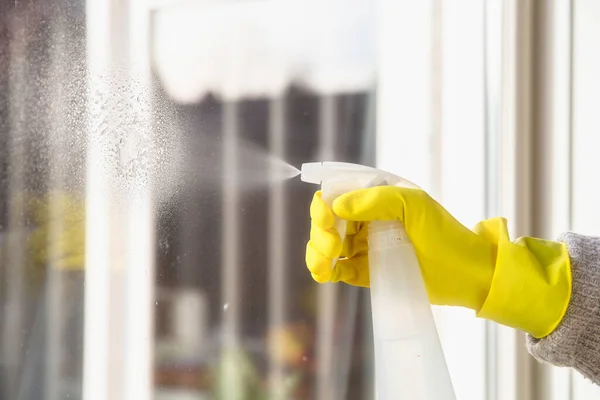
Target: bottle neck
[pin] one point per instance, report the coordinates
(381, 226)
(385, 234)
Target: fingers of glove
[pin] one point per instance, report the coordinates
(326, 242)
(353, 227)
(353, 271)
(320, 213)
(329, 243)
(355, 244)
(318, 264)
(381, 203)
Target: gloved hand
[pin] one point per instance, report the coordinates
(525, 284)
(58, 238)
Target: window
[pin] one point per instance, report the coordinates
(151, 235)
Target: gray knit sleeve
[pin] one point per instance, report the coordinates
(575, 342)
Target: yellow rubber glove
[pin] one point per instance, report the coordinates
(58, 238)
(524, 284)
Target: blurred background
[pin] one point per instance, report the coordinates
(150, 246)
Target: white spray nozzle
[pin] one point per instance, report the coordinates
(358, 176)
(311, 172)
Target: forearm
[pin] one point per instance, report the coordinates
(575, 342)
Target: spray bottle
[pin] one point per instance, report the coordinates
(409, 362)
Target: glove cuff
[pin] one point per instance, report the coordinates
(531, 286)
(574, 343)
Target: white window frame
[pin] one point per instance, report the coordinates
(119, 279)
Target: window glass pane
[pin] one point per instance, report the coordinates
(150, 243)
